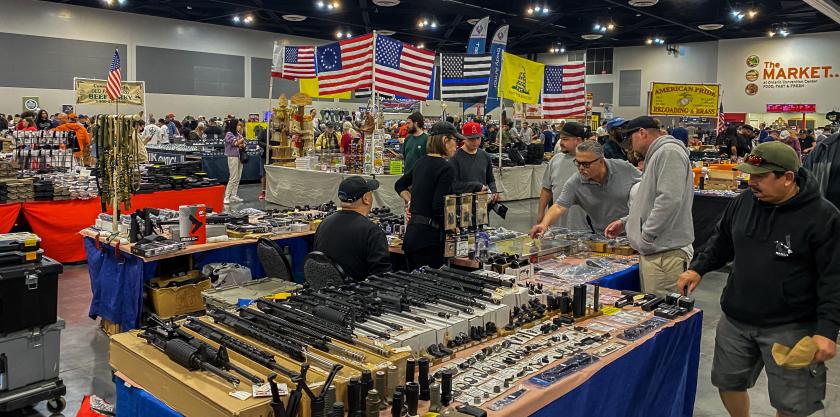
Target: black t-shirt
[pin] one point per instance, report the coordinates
(806, 142)
(742, 144)
(355, 243)
(430, 179)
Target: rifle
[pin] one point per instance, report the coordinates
(186, 355)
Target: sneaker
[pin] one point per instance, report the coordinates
(227, 201)
(236, 199)
(262, 195)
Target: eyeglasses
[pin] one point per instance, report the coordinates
(586, 165)
(754, 160)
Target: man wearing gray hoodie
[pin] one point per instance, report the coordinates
(659, 225)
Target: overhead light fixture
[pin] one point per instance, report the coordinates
(385, 32)
(710, 26)
(752, 13)
(611, 26)
(320, 5)
(562, 50)
(433, 25)
(329, 6)
(189, 7)
(335, 5)
(338, 34)
(771, 34)
(597, 27)
(236, 19)
(784, 33)
(421, 45)
(386, 3)
(649, 41)
(294, 17)
(248, 19)
(642, 3)
(472, 21)
(592, 36)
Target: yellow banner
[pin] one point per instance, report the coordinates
(690, 100)
(309, 86)
(90, 91)
(250, 134)
(521, 79)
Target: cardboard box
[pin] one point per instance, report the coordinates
(173, 301)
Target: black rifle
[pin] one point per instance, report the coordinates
(255, 354)
(294, 349)
(186, 355)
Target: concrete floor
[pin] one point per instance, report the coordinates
(84, 348)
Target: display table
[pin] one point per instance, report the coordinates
(117, 276)
(706, 212)
(656, 377)
(217, 167)
(292, 187)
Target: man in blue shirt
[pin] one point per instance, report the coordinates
(681, 133)
(764, 134)
(547, 137)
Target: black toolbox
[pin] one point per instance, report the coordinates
(19, 258)
(19, 242)
(28, 295)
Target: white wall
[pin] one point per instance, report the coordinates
(697, 63)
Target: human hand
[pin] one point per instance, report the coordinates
(689, 278)
(407, 211)
(827, 348)
(614, 229)
(537, 231)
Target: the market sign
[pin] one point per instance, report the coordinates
(791, 108)
(91, 91)
(690, 100)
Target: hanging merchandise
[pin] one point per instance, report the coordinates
(303, 135)
(118, 162)
(374, 149)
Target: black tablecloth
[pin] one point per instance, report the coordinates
(706, 212)
(216, 167)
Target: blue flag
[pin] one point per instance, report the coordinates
(496, 48)
(478, 37)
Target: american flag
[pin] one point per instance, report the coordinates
(114, 86)
(299, 62)
(345, 65)
(721, 122)
(465, 77)
(564, 91)
(401, 69)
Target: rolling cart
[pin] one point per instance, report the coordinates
(29, 364)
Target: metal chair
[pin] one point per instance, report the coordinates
(320, 271)
(273, 259)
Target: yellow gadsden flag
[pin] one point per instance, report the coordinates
(521, 79)
(309, 86)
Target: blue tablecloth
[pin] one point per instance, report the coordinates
(656, 379)
(627, 279)
(217, 167)
(117, 284)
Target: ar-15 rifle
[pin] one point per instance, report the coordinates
(294, 349)
(186, 355)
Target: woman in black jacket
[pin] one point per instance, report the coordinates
(424, 189)
(43, 121)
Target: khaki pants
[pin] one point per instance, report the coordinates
(660, 271)
(235, 169)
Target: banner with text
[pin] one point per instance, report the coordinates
(91, 91)
(697, 100)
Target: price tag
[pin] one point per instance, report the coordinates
(242, 395)
(609, 310)
(264, 390)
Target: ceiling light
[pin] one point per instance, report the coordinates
(597, 27)
(771, 34)
(109, 2)
(710, 26)
(294, 17)
(611, 26)
(642, 3)
(348, 35)
(419, 24)
(236, 19)
(425, 22)
(562, 50)
(385, 32)
(189, 7)
(592, 36)
(472, 21)
(752, 13)
(386, 3)
(421, 45)
(530, 10)
(537, 9)
(433, 25)
(649, 41)
(320, 4)
(784, 33)
(330, 7)
(545, 10)
(338, 34)
(249, 19)
(335, 4)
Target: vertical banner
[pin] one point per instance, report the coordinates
(277, 61)
(478, 37)
(497, 46)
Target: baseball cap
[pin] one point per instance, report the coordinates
(445, 128)
(641, 122)
(573, 129)
(747, 127)
(615, 123)
(769, 157)
(353, 188)
(471, 130)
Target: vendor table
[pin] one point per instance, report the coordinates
(706, 212)
(117, 276)
(656, 378)
(217, 167)
(291, 187)
(58, 222)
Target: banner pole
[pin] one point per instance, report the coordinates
(115, 220)
(499, 135)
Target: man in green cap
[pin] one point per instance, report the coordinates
(781, 237)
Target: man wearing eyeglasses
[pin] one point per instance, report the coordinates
(781, 237)
(559, 170)
(601, 187)
(659, 225)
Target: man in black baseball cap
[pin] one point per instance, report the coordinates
(560, 168)
(348, 237)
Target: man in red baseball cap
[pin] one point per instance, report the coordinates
(472, 165)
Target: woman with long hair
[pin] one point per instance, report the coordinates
(234, 142)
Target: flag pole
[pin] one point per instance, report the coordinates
(374, 95)
(499, 135)
(270, 94)
(115, 220)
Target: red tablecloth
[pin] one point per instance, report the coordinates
(8, 216)
(58, 222)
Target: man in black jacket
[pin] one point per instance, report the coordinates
(781, 236)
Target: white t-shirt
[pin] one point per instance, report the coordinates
(149, 135)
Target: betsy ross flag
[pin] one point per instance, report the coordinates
(345, 65)
(114, 86)
(401, 69)
(298, 62)
(465, 77)
(564, 91)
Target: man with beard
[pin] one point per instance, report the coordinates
(559, 170)
(601, 187)
(781, 302)
(414, 145)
